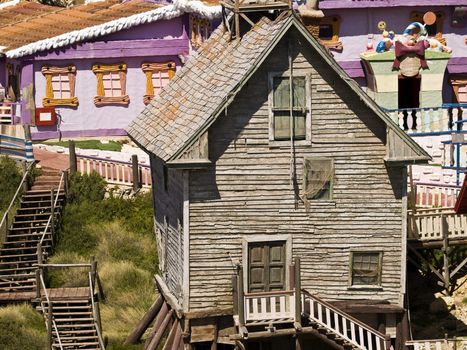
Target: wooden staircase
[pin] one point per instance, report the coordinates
(72, 314)
(32, 226)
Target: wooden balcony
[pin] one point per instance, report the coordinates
(434, 344)
(430, 227)
(428, 119)
(10, 112)
(303, 312)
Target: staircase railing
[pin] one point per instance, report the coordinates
(434, 223)
(95, 309)
(49, 314)
(347, 327)
(11, 208)
(53, 200)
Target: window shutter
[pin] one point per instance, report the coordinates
(60, 86)
(281, 93)
(116, 86)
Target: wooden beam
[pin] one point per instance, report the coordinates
(168, 296)
(460, 266)
(171, 337)
(157, 323)
(298, 294)
(209, 312)
(160, 332)
(142, 325)
(432, 268)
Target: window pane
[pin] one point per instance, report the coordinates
(365, 268)
(319, 174)
(299, 92)
(282, 125)
(281, 92)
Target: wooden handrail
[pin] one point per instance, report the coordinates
(94, 316)
(42, 284)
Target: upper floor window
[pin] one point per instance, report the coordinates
(329, 32)
(434, 30)
(318, 178)
(200, 29)
(59, 86)
(459, 86)
(289, 109)
(111, 84)
(365, 268)
(157, 76)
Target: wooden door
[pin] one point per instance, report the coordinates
(266, 266)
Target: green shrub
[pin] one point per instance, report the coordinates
(86, 188)
(10, 178)
(21, 327)
(115, 146)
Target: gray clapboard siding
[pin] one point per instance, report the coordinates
(168, 208)
(247, 190)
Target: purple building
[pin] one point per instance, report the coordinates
(86, 71)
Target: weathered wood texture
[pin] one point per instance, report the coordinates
(168, 207)
(248, 190)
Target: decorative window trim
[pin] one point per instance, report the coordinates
(335, 22)
(198, 24)
(149, 69)
(99, 70)
(272, 141)
(380, 270)
(50, 100)
(416, 16)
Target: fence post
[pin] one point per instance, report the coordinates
(65, 181)
(444, 233)
(38, 283)
(136, 175)
(298, 292)
(72, 155)
(93, 271)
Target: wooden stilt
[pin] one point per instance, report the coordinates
(160, 332)
(170, 338)
(444, 233)
(157, 323)
(141, 327)
(178, 343)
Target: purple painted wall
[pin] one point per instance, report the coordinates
(156, 42)
(3, 71)
(358, 22)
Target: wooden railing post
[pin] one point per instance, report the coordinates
(65, 181)
(298, 292)
(136, 175)
(39, 254)
(25, 169)
(52, 213)
(444, 234)
(241, 297)
(49, 325)
(72, 155)
(235, 293)
(38, 283)
(93, 271)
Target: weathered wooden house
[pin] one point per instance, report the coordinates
(85, 71)
(267, 158)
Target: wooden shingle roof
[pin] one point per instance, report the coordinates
(29, 22)
(208, 83)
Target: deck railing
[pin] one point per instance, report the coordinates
(114, 171)
(428, 119)
(349, 328)
(432, 344)
(435, 223)
(9, 111)
(269, 306)
(431, 195)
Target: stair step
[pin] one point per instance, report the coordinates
(22, 288)
(78, 331)
(77, 344)
(26, 268)
(77, 319)
(17, 276)
(79, 325)
(30, 255)
(33, 243)
(78, 307)
(83, 313)
(32, 248)
(83, 337)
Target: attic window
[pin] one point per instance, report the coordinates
(157, 76)
(329, 32)
(434, 30)
(365, 268)
(59, 86)
(200, 29)
(111, 84)
(280, 108)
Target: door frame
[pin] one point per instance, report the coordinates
(287, 238)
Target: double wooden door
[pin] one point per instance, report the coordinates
(266, 266)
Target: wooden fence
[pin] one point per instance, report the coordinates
(433, 224)
(9, 111)
(269, 306)
(113, 171)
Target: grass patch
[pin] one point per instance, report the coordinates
(90, 144)
(119, 234)
(21, 327)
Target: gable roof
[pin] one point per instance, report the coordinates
(27, 34)
(208, 83)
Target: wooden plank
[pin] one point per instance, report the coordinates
(142, 325)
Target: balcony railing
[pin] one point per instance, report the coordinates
(433, 344)
(10, 112)
(436, 224)
(434, 195)
(429, 119)
(269, 306)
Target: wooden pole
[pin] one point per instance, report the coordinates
(38, 283)
(141, 327)
(39, 254)
(170, 338)
(177, 344)
(241, 298)
(298, 292)
(444, 233)
(98, 315)
(135, 169)
(25, 183)
(237, 20)
(49, 325)
(157, 323)
(52, 214)
(93, 271)
(235, 293)
(72, 155)
(160, 332)
(65, 181)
